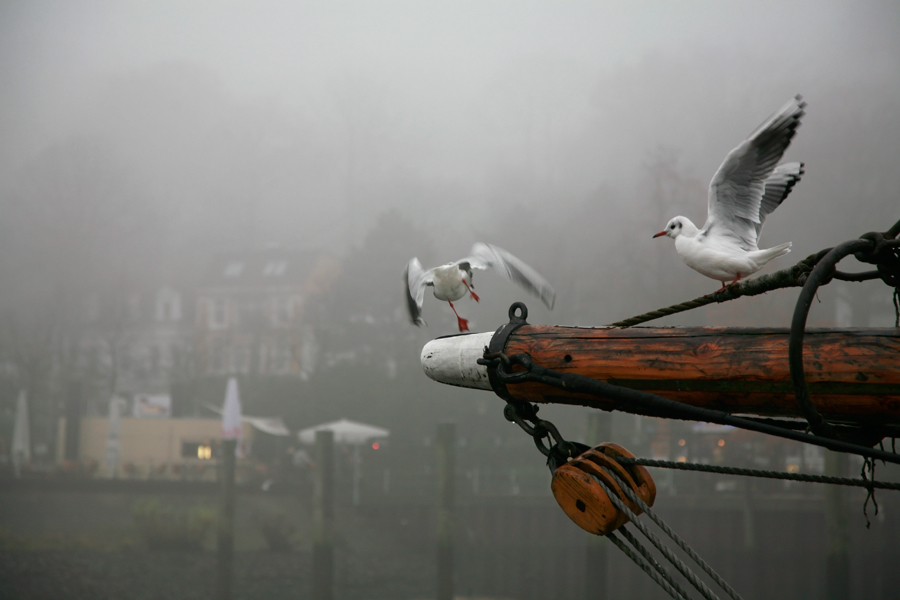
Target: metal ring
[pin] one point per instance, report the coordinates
(520, 306)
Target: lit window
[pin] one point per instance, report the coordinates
(198, 450)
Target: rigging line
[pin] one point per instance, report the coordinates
(896, 299)
(794, 276)
(677, 539)
(643, 551)
(864, 276)
(660, 406)
(657, 543)
(670, 556)
(654, 575)
(803, 477)
(820, 275)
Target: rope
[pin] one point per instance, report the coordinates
(640, 402)
(666, 552)
(668, 531)
(668, 464)
(794, 276)
(819, 276)
(654, 575)
(642, 550)
(896, 300)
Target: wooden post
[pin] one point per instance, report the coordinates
(445, 451)
(357, 473)
(73, 422)
(225, 531)
(599, 430)
(837, 562)
(323, 518)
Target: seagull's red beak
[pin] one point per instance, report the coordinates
(656, 235)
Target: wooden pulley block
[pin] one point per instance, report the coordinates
(577, 489)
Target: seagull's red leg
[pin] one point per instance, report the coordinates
(471, 291)
(724, 285)
(463, 323)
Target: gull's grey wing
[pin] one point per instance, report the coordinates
(778, 186)
(487, 256)
(417, 279)
(737, 189)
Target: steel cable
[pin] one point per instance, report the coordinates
(657, 543)
(647, 568)
(701, 587)
(803, 477)
(643, 551)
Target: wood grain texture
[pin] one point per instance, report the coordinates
(853, 374)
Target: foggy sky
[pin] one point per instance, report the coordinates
(316, 117)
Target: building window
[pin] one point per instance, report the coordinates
(217, 318)
(168, 305)
(218, 357)
(282, 311)
(241, 359)
(279, 359)
(233, 269)
(154, 359)
(202, 450)
(275, 268)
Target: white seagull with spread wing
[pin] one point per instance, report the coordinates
(454, 280)
(746, 188)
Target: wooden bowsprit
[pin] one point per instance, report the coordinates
(697, 374)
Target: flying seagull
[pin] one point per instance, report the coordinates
(746, 188)
(454, 280)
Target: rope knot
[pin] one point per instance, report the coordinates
(884, 254)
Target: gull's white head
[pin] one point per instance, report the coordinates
(675, 227)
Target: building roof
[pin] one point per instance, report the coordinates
(272, 267)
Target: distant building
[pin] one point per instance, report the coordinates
(160, 448)
(250, 314)
(245, 313)
(138, 341)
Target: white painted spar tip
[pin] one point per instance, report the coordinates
(454, 360)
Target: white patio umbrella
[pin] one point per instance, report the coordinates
(270, 425)
(21, 441)
(345, 432)
(231, 415)
(350, 433)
